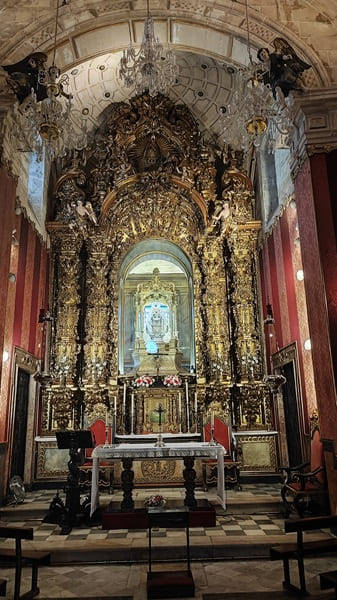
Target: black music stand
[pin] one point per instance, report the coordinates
(71, 512)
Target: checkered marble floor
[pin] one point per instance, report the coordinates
(228, 523)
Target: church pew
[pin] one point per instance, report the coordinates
(300, 549)
(22, 558)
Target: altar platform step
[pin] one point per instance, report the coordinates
(251, 499)
(251, 524)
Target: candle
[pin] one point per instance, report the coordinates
(124, 397)
(132, 410)
(212, 419)
(179, 404)
(48, 414)
(106, 417)
(195, 402)
(186, 387)
(115, 405)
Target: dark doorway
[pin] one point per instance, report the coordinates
(291, 415)
(20, 424)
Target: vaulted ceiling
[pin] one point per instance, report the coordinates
(209, 38)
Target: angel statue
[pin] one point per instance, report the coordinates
(85, 211)
(222, 216)
(284, 69)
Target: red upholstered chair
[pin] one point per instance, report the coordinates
(304, 487)
(106, 470)
(222, 435)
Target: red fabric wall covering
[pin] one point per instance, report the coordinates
(7, 224)
(323, 170)
(24, 300)
(28, 289)
(278, 265)
(20, 284)
(310, 182)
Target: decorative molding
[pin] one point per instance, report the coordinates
(26, 361)
(264, 461)
(315, 126)
(42, 471)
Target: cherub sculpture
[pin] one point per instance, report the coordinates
(284, 69)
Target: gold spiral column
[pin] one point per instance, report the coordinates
(215, 305)
(67, 269)
(240, 234)
(96, 321)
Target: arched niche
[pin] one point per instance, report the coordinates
(172, 294)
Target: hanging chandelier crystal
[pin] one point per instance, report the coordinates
(254, 114)
(149, 69)
(43, 121)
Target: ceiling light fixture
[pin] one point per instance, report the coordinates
(255, 110)
(150, 69)
(43, 117)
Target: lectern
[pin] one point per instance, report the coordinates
(71, 512)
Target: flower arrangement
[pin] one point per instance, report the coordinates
(143, 381)
(173, 380)
(156, 500)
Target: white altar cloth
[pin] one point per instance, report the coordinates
(171, 450)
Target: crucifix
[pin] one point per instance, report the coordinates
(156, 356)
(160, 410)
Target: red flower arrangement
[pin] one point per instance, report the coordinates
(143, 381)
(173, 380)
(156, 500)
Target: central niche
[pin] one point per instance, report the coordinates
(156, 333)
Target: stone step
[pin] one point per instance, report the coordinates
(237, 503)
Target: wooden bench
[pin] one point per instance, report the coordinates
(23, 558)
(299, 549)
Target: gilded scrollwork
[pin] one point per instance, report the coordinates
(148, 174)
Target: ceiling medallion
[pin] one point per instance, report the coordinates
(150, 69)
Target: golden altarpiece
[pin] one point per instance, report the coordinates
(149, 189)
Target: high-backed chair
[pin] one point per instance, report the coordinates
(98, 429)
(222, 435)
(304, 487)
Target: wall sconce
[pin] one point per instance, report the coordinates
(12, 277)
(14, 240)
(300, 275)
(5, 356)
(307, 344)
(297, 242)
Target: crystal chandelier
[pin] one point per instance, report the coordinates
(149, 69)
(254, 114)
(43, 121)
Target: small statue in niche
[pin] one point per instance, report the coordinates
(85, 211)
(222, 216)
(284, 69)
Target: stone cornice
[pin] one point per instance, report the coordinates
(315, 129)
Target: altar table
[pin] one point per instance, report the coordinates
(186, 451)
